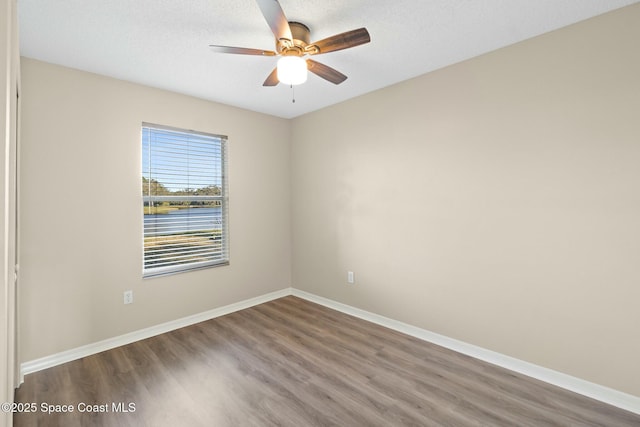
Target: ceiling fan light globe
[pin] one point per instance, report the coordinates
(292, 70)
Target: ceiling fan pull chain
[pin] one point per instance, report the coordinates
(293, 95)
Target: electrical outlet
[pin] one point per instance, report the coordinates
(128, 297)
(350, 277)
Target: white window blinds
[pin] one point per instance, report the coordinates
(184, 200)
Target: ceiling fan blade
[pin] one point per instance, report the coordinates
(241, 50)
(340, 41)
(272, 80)
(326, 72)
(276, 19)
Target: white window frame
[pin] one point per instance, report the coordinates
(194, 240)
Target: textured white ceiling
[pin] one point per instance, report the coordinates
(164, 43)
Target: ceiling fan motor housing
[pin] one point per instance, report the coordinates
(301, 38)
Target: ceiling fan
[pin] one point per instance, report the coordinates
(292, 43)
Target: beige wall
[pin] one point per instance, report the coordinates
(81, 208)
(496, 201)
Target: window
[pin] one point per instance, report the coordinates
(184, 200)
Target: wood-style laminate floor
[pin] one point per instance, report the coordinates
(290, 362)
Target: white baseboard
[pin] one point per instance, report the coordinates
(97, 347)
(595, 391)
